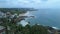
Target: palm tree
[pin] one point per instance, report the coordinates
(10, 23)
(26, 29)
(5, 24)
(38, 29)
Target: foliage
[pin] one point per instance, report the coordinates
(13, 10)
(28, 29)
(19, 29)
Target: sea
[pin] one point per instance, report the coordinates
(46, 17)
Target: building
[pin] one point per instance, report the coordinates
(2, 14)
(2, 30)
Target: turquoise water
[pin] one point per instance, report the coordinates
(47, 17)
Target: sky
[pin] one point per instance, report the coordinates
(29, 3)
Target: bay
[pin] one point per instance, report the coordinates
(46, 17)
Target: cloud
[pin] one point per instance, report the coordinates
(30, 3)
(44, 0)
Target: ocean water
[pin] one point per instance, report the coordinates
(46, 17)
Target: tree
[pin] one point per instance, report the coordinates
(38, 29)
(27, 29)
(11, 24)
(5, 24)
(13, 28)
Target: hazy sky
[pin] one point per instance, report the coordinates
(30, 3)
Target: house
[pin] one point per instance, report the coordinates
(2, 30)
(2, 14)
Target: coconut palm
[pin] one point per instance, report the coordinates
(5, 24)
(10, 24)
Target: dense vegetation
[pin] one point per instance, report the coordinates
(19, 29)
(16, 10)
(12, 28)
(13, 10)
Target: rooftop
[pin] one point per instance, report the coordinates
(1, 27)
